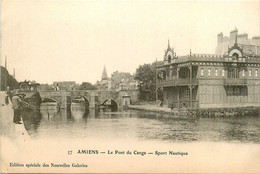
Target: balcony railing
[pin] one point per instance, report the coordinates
(235, 82)
(214, 58)
(177, 82)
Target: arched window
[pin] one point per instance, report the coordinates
(235, 56)
(169, 59)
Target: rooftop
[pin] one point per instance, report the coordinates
(210, 58)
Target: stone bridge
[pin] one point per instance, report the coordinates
(92, 97)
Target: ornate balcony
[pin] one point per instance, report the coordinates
(235, 82)
(177, 82)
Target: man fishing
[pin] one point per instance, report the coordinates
(17, 105)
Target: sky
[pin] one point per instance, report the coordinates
(55, 40)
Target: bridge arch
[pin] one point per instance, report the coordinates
(51, 99)
(113, 104)
(82, 100)
(93, 98)
(86, 101)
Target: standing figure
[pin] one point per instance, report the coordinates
(57, 87)
(17, 106)
(8, 94)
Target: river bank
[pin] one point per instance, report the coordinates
(8, 128)
(206, 112)
(149, 107)
(162, 110)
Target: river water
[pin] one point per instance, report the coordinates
(135, 125)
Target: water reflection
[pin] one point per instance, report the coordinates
(81, 122)
(79, 111)
(31, 119)
(49, 109)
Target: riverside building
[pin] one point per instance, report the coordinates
(250, 46)
(209, 80)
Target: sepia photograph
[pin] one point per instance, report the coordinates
(130, 86)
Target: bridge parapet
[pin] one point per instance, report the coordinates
(94, 97)
(63, 98)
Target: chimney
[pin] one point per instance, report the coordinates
(233, 34)
(242, 37)
(220, 38)
(256, 39)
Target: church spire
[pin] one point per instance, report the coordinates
(169, 46)
(104, 74)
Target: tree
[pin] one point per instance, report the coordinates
(86, 86)
(145, 74)
(7, 80)
(46, 87)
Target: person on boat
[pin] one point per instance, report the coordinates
(17, 105)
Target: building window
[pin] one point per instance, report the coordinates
(233, 73)
(256, 73)
(202, 72)
(216, 72)
(250, 73)
(223, 72)
(243, 73)
(209, 72)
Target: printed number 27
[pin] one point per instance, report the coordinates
(69, 152)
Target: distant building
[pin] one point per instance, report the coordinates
(118, 81)
(64, 85)
(210, 81)
(105, 82)
(128, 84)
(46, 86)
(104, 74)
(249, 46)
(123, 81)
